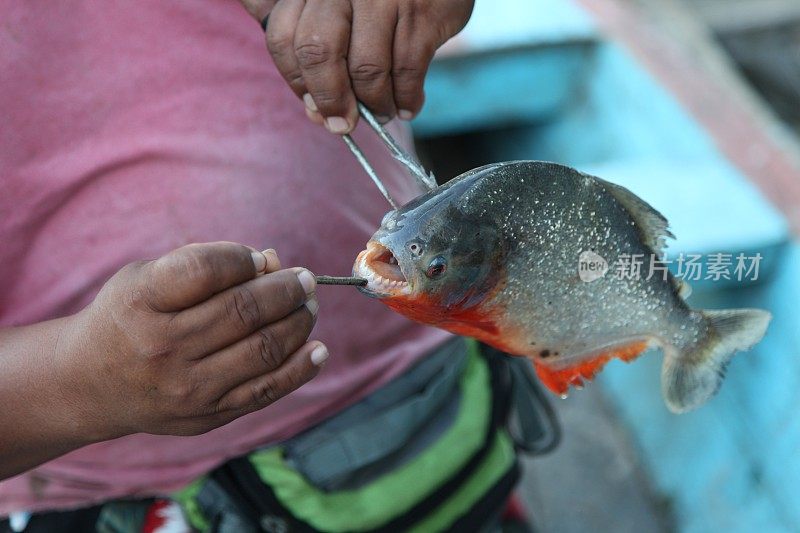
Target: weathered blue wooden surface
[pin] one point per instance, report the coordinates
(508, 23)
(494, 74)
(496, 89)
(733, 465)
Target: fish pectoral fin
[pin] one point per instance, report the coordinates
(560, 379)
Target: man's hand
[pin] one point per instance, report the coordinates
(193, 340)
(334, 52)
(178, 346)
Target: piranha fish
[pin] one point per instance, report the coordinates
(496, 254)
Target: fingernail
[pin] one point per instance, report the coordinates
(273, 263)
(312, 307)
(405, 114)
(383, 119)
(308, 281)
(309, 101)
(319, 355)
(259, 261)
(337, 125)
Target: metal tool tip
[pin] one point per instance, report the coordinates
(341, 280)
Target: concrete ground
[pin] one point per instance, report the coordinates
(592, 482)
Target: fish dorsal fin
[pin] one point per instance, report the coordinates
(559, 380)
(653, 226)
(683, 288)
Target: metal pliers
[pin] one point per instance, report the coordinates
(423, 178)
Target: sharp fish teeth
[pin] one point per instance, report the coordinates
(377, 281)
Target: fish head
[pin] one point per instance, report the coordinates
(432, 261)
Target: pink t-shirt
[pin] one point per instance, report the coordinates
(128, 129)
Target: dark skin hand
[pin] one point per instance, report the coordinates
(334, 52)
(177, 346)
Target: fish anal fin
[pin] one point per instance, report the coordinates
(559, 380)
(629, 352)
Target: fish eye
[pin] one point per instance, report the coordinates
(415, 248)
(436, 267)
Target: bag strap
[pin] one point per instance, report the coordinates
(532, 414)
(532, 421)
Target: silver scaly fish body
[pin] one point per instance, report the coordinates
(516, 254)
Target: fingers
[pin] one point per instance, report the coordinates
(261, 391)
(335, 52)
(320, 45)
(241, 310)
(194, 273)
(415, 42)
(370, 56)
(280, 42)
(412, 53)
(310, 55)
(262, 352)
(332, 52)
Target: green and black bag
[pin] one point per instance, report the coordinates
(430, 451)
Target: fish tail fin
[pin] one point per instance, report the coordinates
(690, 378)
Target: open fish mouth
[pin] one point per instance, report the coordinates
(383, 273)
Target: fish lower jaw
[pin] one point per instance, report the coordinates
(380, 284)
(377, 284)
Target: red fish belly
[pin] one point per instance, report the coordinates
(469, 323)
